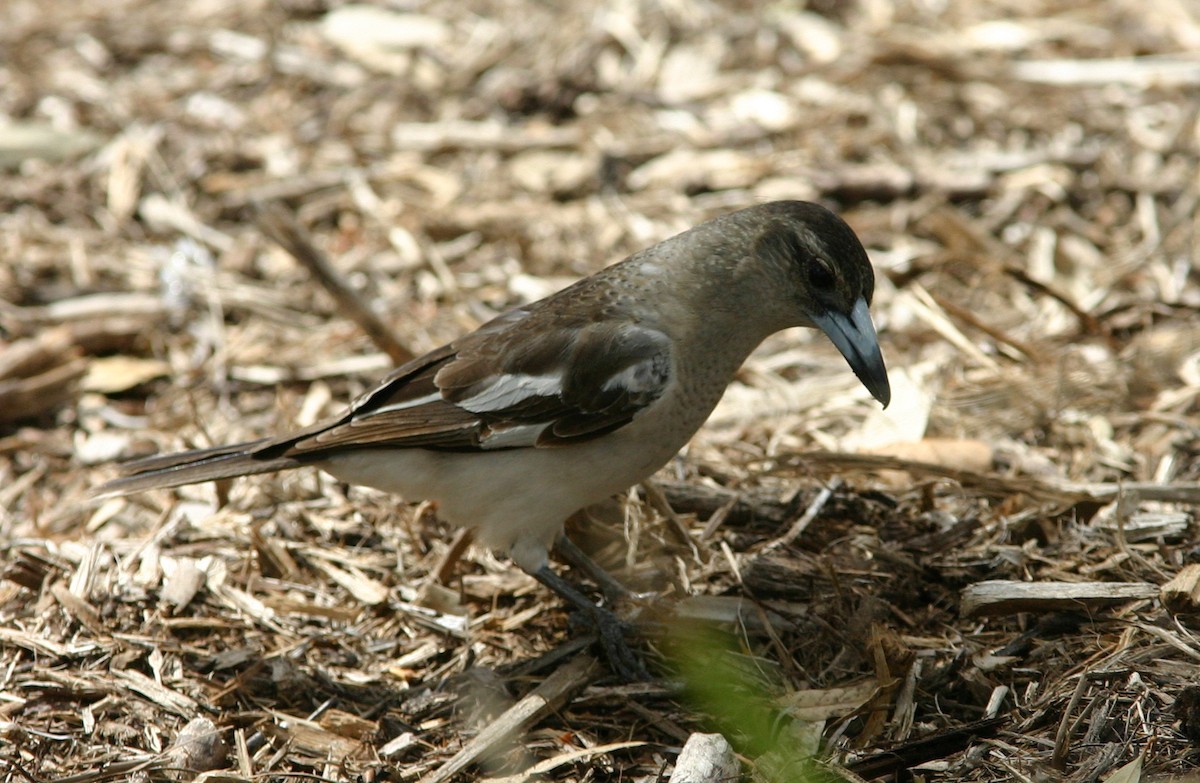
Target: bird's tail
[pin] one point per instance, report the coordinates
(192, 467)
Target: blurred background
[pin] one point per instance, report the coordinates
(1023, 174)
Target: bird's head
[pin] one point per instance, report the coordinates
(816, 259)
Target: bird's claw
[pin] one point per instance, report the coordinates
(614, 643)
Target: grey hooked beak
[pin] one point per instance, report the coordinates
(855, 337)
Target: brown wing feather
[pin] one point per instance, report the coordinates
(292, 450)
(385, 418)
(609, 369)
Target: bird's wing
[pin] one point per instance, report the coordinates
(523, 380)
(517, 382)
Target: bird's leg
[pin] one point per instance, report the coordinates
(624, 661)
(614, 591)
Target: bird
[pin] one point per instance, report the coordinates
(558, 404)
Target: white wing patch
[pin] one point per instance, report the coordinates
(512, 389)
(637, 379)
(405, 404)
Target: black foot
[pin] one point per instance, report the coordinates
(623, 661)
(614, 642)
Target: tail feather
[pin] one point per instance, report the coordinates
(192, 467)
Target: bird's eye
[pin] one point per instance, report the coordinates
(820, 274)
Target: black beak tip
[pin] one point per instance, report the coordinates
(877, 384)
(854, 336)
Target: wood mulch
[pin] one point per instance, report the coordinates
(995, 579)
